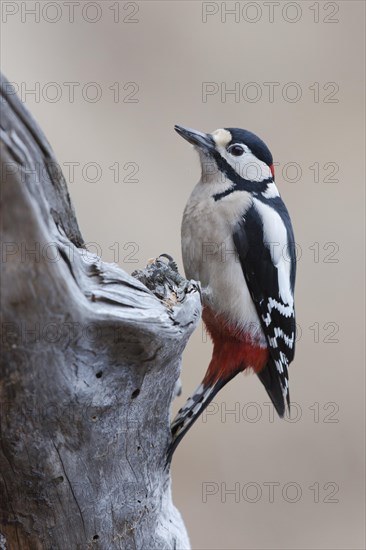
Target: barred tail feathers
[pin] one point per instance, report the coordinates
(192, 409)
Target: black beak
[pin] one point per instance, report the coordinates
(199, 139)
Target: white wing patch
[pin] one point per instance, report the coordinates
(275, 235)
(271, 192)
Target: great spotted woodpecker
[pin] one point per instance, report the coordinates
(238, 241)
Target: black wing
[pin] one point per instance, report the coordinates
(259, 244)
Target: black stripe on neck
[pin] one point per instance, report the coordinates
(240, 184)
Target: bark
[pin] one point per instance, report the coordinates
(90, 358)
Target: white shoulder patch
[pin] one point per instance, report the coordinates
(221, 137)
(271, 191)
(275, 236)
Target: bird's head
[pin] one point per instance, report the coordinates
(231, 153)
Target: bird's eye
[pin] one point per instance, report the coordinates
(236, 150)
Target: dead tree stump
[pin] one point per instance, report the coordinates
(89, 360)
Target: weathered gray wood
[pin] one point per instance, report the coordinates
(90, 357)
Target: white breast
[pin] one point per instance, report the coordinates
(209, 252)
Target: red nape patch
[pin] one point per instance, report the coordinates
(272, 170)
(234, 351)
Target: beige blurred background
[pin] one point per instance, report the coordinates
(161, 54)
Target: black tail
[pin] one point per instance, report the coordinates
(271, 380)
(192, 409)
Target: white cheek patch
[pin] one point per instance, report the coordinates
(221, 137)
(248, 166)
